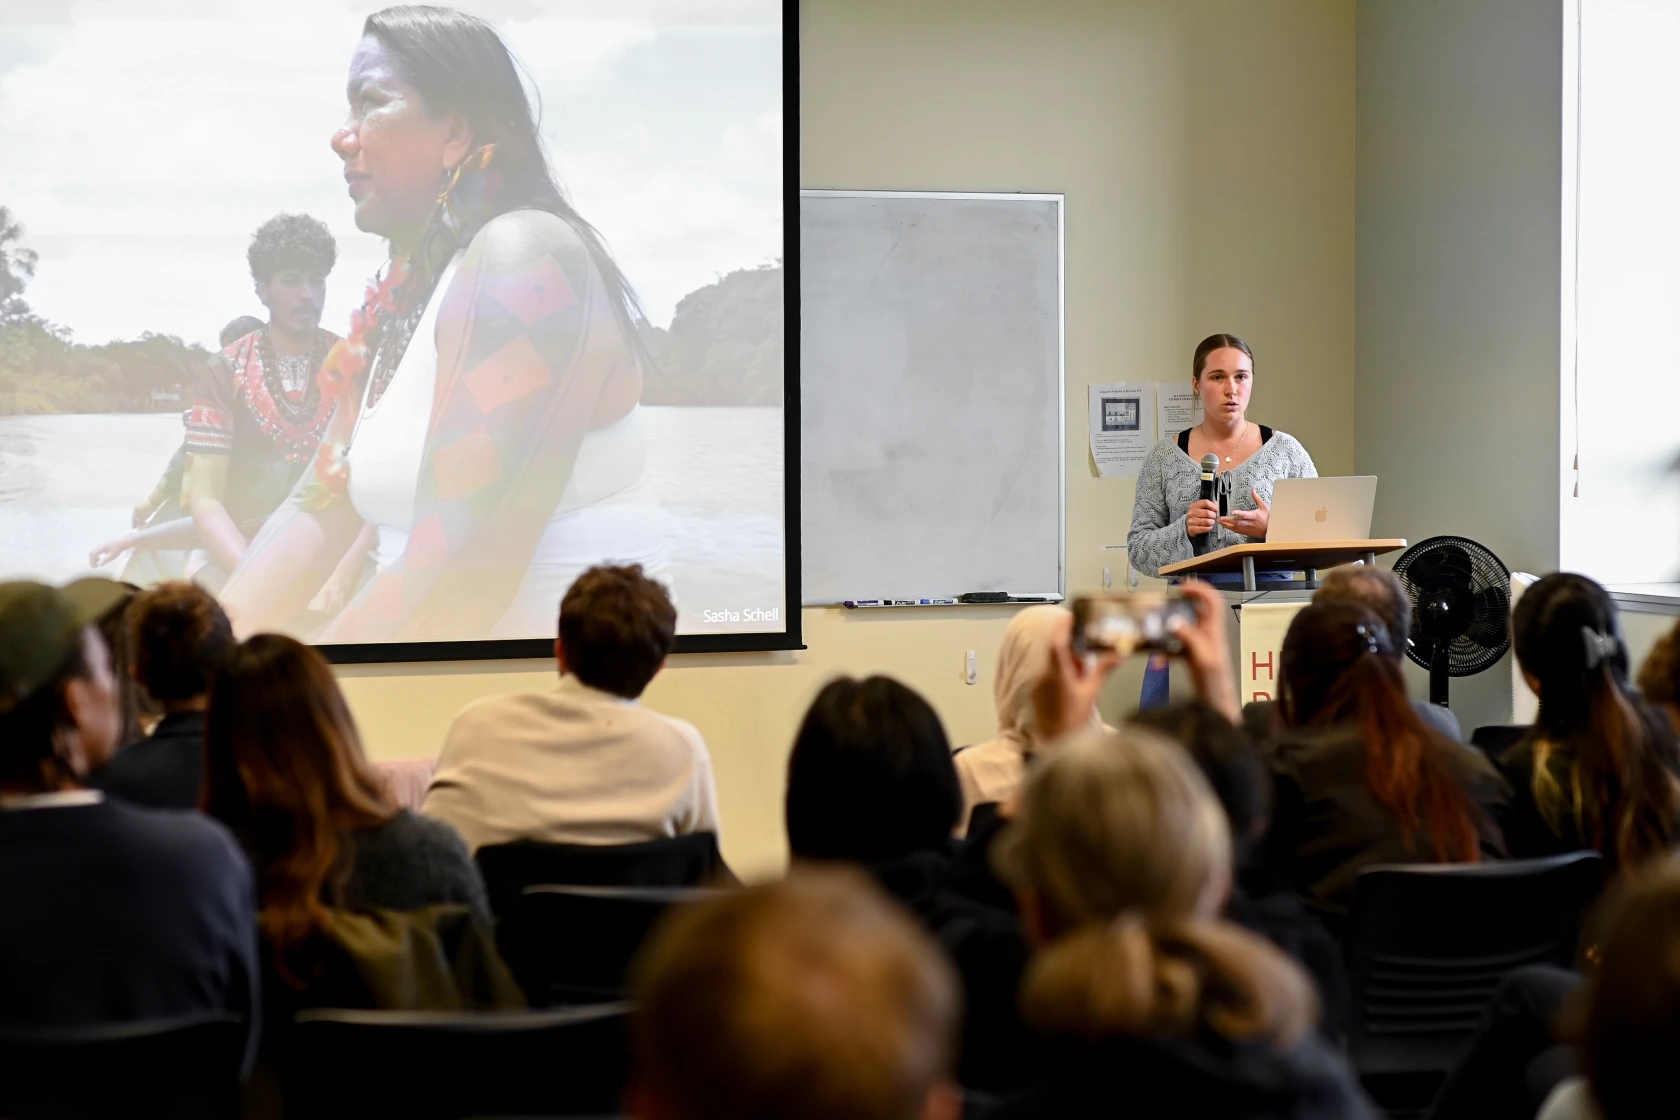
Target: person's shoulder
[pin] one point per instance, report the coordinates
(174, 835)
(684, 730)
(516, 239)
(487, 712)
(416, 834)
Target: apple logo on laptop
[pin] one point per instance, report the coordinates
(1322, 514)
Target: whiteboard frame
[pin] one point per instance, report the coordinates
(1060, 200)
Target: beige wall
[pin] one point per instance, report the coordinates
(1206, 151)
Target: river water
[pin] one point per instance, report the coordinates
(69, 482)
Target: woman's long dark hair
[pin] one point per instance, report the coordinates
(870, 778)
(1602, 758)
(284, 771)
(1339, 665)
(460, 65)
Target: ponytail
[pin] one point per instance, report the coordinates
(1620, 796)
(1406, 767)
(1126, 977)
(1339, 664)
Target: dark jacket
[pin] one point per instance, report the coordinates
(407, 865)
(1326, 827)
(1263, 903)
(1260, 719)
(988, 948)
(111, 913)
(1528, 834)
(164, 771)
(1204, 1076)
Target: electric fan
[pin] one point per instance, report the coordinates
(1461, 608)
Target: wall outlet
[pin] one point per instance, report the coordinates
(1108, 579)
(971, 668)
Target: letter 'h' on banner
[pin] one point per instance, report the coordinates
(1260, 648)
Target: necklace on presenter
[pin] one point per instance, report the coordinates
(1232, 449)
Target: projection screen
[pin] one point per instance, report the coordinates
(385, 324)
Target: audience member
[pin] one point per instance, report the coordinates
(1360, 778)
(808, 999)
(871, 781)
(1121, 857)
(1260, 900)
(1379, 591)
(993, 771)
(583, 763)
(285, 771)
(1598, 769)
(134, 708)
(1659, 677)
(180, 636)
(1629, 1022)
(112, 912)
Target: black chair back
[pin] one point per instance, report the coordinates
(682, 861)
(1427, 944)
(573, 945)
(445, 1065)
(186, 1066)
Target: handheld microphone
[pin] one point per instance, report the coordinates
(1210, 467)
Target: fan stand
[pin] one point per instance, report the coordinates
(1438, 674)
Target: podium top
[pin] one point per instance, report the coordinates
(1283, 556)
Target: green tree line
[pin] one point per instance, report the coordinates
(724, 347)
(42, 370)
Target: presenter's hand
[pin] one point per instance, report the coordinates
(1067, 695)
(1250, 522)
(1201, 518)
(1207, 648)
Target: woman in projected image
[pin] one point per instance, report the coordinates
(489, 424)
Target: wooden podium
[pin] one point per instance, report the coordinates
(1282, 556)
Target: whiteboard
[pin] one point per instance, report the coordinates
(933, 442)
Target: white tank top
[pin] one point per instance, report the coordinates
(606, 513)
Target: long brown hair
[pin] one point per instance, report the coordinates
(1602, 757)
(1125, 854)
(284, 770)
(1339, 665)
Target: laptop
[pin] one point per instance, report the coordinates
(1313, 510)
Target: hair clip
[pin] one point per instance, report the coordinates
(1599, 647)
(1370, 638)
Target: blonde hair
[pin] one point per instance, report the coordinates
(1127, 853)
(812, 998)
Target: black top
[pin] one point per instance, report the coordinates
(1527, 833)
(1202, 1076)
(1262, 719)
(115, 913)
(1263, 903)
(410, 862)
(988, 948)
(1184, 438)
(165, 771)
(1326, 827)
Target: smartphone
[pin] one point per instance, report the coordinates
(1126, 622)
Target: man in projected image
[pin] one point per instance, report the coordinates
(489, 428)
(258, 413)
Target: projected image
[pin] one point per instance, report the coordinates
(386, 324)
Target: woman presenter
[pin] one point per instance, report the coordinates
(1169, 509)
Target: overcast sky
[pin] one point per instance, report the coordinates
(144, 140)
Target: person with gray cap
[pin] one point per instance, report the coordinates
(113, 913)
